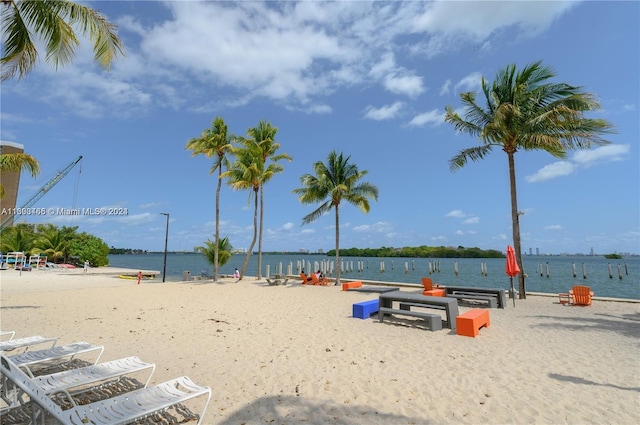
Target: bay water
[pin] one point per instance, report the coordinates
(551, 274)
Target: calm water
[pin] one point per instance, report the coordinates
(560, 277)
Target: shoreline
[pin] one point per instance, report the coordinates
(117, 271)
(292, 354)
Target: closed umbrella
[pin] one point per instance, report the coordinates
(512, 270)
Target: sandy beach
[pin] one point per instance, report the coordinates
(294, 355)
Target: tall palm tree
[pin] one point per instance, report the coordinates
(52, 22)
(524, 111)
(246, 173)
(216, 254)
(214, 141)
(17, 162)
(263, 136)
(333, 182)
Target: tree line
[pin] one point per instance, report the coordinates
(420, 252)
(60, 244)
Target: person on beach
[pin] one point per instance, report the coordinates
(309, 278)
(236, 273)
(86, 265)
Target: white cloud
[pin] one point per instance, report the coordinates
(472, 220)
(379, 227)
(583, 158)
(396, 79)
(434, 117)
(553, 227)
(445, 88)
(606, 153)
(135, 219)
(551, 171)
(471, 82)
(457, 23)
(456, 213)
(383, 113)
(287, 226)
(296, 53)
(409, 85)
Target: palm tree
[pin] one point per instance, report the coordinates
(214, 141)
(16, 162)
(524, 111)
(216, 254)
(52, 22)
(263, 136)
(17, 239)
(333, 182)
(246, 172)
(51, 241)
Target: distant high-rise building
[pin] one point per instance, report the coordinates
(537, 251)
(592, 252)
(10, 181)
(530, 251)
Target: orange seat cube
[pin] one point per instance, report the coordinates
(469, 323)
(349, 285)
(434, 293)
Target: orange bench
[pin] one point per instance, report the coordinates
(350, 285)
(469, 323)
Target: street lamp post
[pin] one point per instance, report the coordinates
(166, 239)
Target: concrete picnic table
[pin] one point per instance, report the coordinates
(449, 305)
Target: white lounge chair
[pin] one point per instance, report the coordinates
(37, 357)
(26, 342)
(74, 378)
(7, 335)
(122, 409)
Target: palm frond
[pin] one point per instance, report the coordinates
(473, 154)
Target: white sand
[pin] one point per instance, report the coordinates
(293, 354)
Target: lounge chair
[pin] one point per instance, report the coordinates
(7, 335)
(56, 354)
(316, 281)
(578, 295)
(581, 295)
(121, 409)
(429, 290)
(75, 378)
(83, 379)
(26, 343)
(305, 279)
(427, 283)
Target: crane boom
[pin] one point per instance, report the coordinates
(40, 193)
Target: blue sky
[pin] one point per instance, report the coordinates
(368, 79)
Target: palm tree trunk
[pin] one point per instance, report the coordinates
(337, 246)
(515, 218)
(217, 236)
(255, 232)
(260, 232)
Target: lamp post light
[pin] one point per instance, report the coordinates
(166, 239)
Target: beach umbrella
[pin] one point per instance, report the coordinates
(512, 270)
